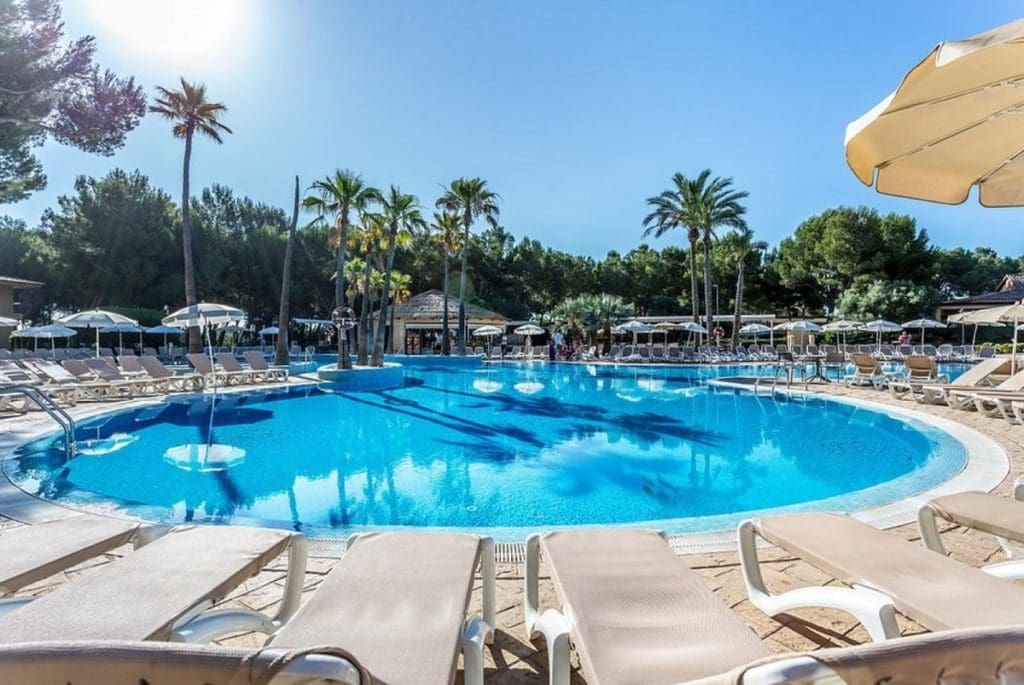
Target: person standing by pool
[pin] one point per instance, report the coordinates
(551, 350)
(905, 338)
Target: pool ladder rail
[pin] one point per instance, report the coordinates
(52, 409)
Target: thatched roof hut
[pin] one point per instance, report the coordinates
(422, 314)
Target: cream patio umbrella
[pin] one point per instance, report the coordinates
(923, 324)
(529, 330)
(96, 318)
(954, 122)
(998, 316)
(635, 327)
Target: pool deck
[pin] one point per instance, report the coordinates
(513, 659)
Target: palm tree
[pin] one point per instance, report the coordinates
(281, 355)
(367, 238)
(400, 292)
(337, 197)
(607, 311)
(449, 237)
(671, 210)
(743, 245)
(713, 202)
(471, 198)
(401, 212)
(191, 113)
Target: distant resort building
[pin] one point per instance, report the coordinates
(8, 287)
(1010, 290)
(418, 321)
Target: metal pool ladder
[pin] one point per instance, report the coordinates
(52, 409)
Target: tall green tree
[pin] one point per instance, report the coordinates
(671, 210)
(53, 89)
(713, 203)
(741, 248)
(449, 237)
(284, 311)
(192, 113)
(334, 199)
(401, 213)
(607, 311)
(472, 199)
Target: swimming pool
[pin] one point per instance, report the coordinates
(503, 449)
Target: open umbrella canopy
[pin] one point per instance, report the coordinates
(529, 329)
(487, 331)
(991, 316)
(165, 330)
(954, 122)
(45, 332)
(754, 328)
(313, 322)
(923, 323)
(269, 330)
(842, 325)
(881, 326)
(96, 318)
(203, 314)
(123, 328)
(693, 327)
(6, 322)
(635, 327)
(802, 325)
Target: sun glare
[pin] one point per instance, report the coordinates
(181, 33)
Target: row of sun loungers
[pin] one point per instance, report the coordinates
(396, 607)
(99, 379)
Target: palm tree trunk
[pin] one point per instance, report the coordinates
(283, 314)
(195, 340)
(363, 351)
(739, 303)
(445, 347)
(694, 288)
(344, 362)
(467, 219)
(607, 346)
(707, 283)
(378, 343)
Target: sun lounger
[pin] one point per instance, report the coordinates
(400, 601)
(202, 364)
(230, 365)
(920, 370)
(633, 609)
(867, 371)
(107, 372)
(999, 516)
(116, 663)
(184, 382)
(109, 390)
(62, 393)
(258, 364)
(978, 375)
(32, 553)
(162, 591)
(884, 573)
(12, 400)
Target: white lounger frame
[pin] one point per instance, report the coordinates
(872, 608)
(477, 631)
(201, 624)
(1011, 569)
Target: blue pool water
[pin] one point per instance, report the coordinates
(502, 448)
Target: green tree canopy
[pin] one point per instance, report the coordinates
(52, 89)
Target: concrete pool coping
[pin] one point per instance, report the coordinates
(987, 466)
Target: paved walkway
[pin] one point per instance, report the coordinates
(513, 659)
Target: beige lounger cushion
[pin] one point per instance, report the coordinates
(397, 601)
(32, 553)
(975, 655)
(640, 614)
(142, 595)
(936, 591)
(152, 663)
(981, 511)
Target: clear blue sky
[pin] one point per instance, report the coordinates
(574, 112)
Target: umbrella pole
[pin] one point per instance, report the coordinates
(1013, 354)
(97, 342)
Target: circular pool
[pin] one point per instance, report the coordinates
(503, 449)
